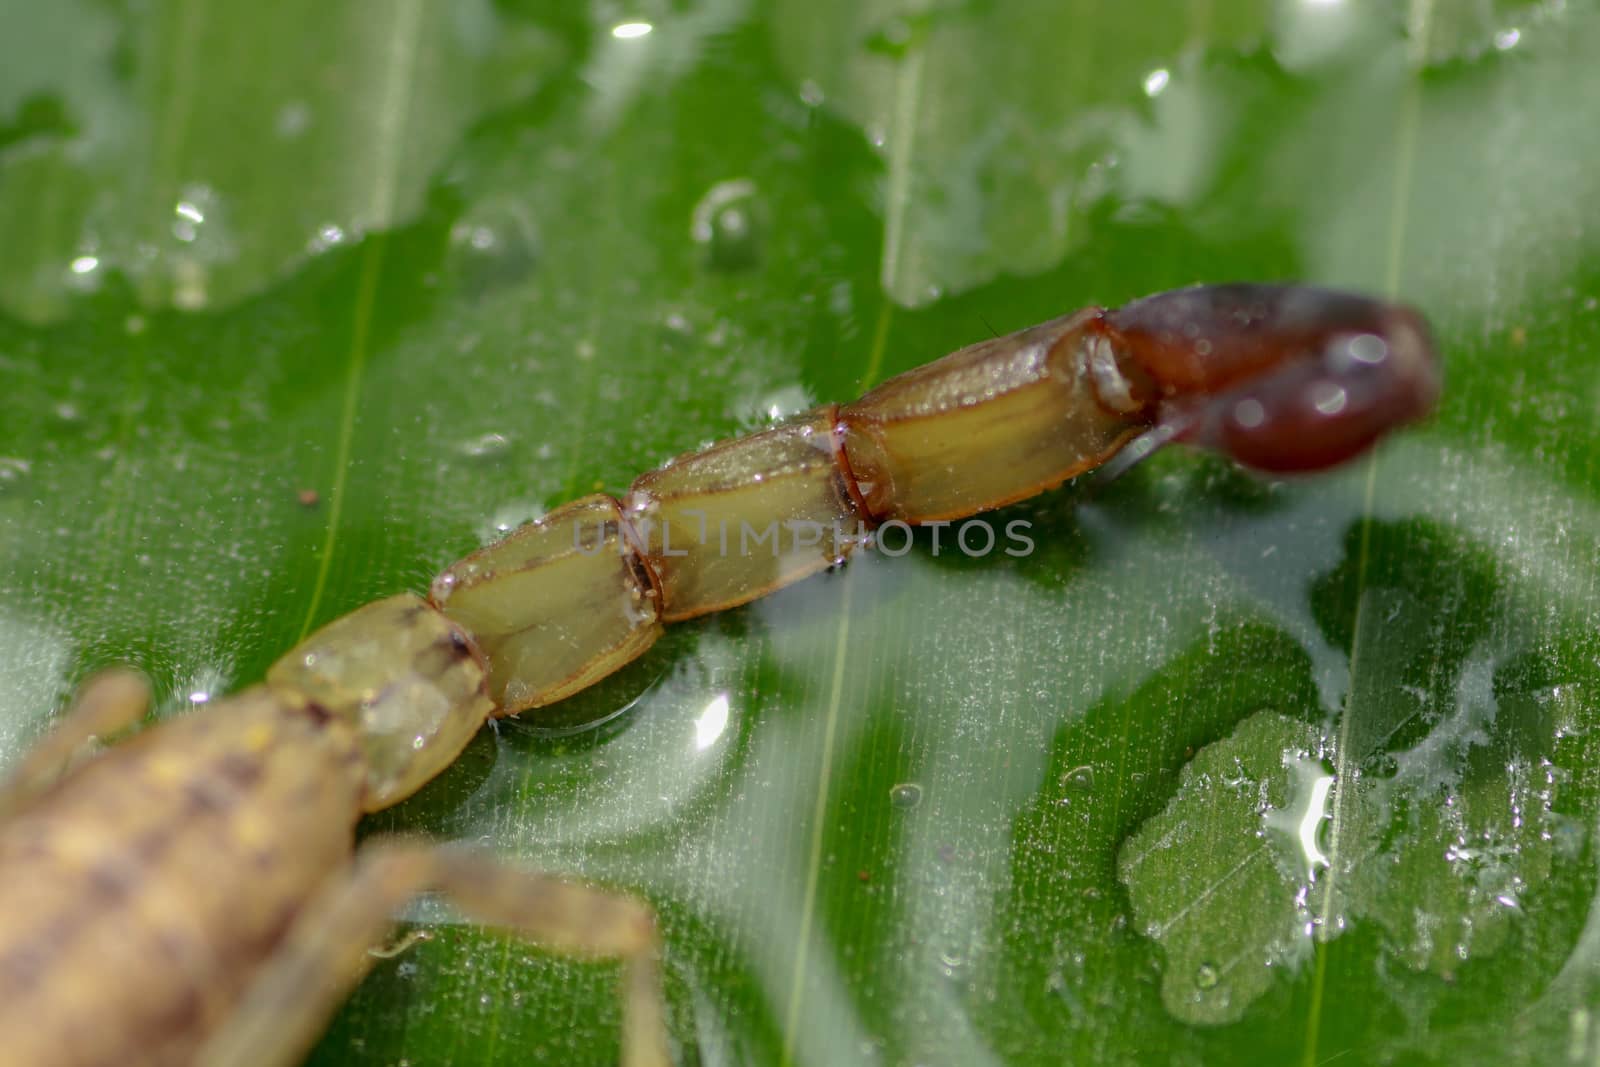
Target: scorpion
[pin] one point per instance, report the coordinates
(193, 895)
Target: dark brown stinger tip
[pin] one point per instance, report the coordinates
(1280, 377)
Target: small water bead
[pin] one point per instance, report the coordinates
(13, 472)
(508, 517)
(328, 235)
(1079, 779)
(1249, 413)
(1206, 976)
(906, 795)
(494, 243)
(728, 222)
(293, 119)
(1328, 398)
(484, 447)
(773, 406)
(189, 213)
(84, 273)
(893, 38)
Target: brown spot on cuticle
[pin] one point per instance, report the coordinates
(186, 1010)
(173, 947)
(26, 964)
(434, 660)
(207, 794)
(111, 881)
(21, 968)
(239, 769)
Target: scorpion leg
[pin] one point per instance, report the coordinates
(328, 949)
(106, 703)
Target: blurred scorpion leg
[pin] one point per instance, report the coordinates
(106, 703)
(329, 947)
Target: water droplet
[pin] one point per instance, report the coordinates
(1249, 413)
(1506, 40)
(728, 221)
(508, 518)
(773, 406)
(811, 93)
(1156, 81)
(13, 472)
(294, 118)
(1328, 398)
(85, 271)
(328, 235)
(906, 795)
(1366, 348)
(1306, 818)
(1080, 778)
(494, 243)
(485, 447)
(195, 215)
(186, 226)
(1206, 976)
(893, 38)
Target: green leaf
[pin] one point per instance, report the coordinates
(300, 302)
